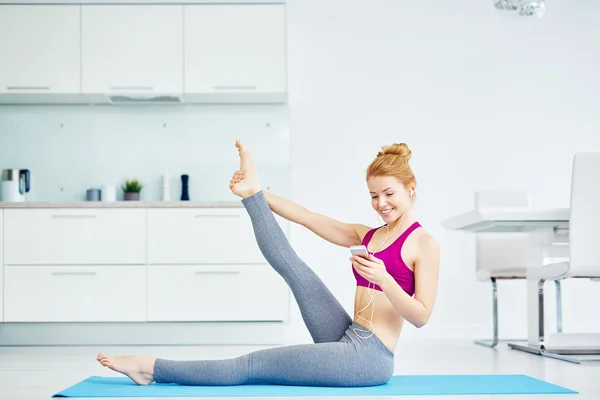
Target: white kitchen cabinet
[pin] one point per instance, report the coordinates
(132, 49)
(1, 267)
(73, 236)
(236, 50)
(136, 264)
(75, 293)
(203, 236)
(40, 49)
(216, 293)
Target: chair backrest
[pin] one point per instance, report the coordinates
(584, 220)
(503, 251)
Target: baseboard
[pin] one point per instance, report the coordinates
(142, 334)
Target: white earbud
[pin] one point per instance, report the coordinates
(411, 193)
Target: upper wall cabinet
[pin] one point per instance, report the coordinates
(132, 49)
(143, 53)
(235, 50)
(40, 49)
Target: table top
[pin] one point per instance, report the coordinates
(509, 219)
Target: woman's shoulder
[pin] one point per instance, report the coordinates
(425, 241)
(363, 230)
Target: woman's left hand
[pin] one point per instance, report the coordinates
(371, 268)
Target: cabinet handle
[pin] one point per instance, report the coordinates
(80, 273)
(235, 87)
(216, 215)
(73, 216)
(28, 87)
(131, 88)
(225, 272)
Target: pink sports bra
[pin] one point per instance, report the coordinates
(391, 257)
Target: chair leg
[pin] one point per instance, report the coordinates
(572, 359)
(559, 313)
(541, 331)
(542, 347)
(494, 341)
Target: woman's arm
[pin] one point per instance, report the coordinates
(333, 231)
(417, 310)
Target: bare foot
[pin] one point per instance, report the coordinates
(139, 369)
(244, 182)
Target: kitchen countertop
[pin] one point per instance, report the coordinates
(122, 204)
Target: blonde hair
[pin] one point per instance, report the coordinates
(393, 160)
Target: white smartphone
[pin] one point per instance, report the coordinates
(359, 249)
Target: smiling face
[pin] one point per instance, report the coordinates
(389, 197)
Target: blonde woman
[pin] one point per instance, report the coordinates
(396, 281)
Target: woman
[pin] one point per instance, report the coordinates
(396, 281)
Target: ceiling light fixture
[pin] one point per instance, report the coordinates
(521, 8)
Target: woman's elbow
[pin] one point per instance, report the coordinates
(422, 321)
(420, 324)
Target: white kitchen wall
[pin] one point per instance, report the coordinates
(483, 102)
(69, 149)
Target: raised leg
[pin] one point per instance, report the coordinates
(323, 315)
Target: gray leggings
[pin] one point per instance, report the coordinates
(339, 357)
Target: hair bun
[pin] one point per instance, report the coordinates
(397, 149)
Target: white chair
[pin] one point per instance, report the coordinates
(506, 256)
(584, 247)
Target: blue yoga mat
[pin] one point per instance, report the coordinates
(96, 386)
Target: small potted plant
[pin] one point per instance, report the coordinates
(132, 189)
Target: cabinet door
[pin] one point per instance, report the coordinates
(74, 236)
(40, 49)
(75, 293)
(216, 293)
(202, 236)
(132, 48)
(235, 48)
(1, 267)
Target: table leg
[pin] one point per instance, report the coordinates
(535, 318)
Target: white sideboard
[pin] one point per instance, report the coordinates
(136, 264)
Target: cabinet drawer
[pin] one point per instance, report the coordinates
(75, 236)
(216, 293)
(75, 293)
(202, 236)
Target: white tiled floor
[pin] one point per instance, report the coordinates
(28, 373)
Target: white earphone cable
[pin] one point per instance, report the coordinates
(370, 289)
